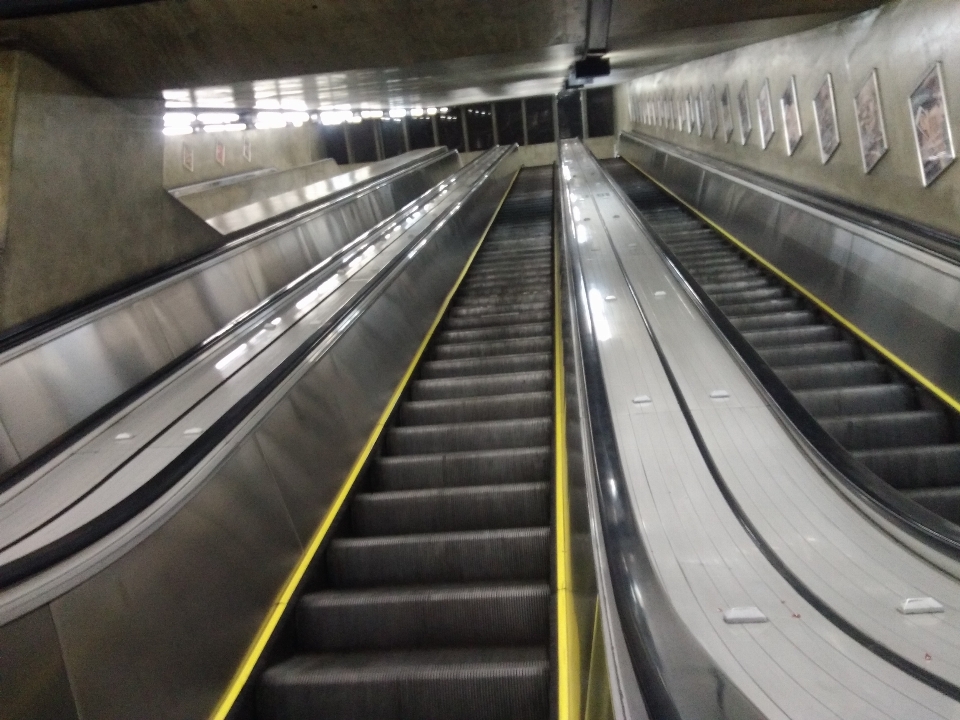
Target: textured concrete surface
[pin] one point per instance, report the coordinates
(86, 205)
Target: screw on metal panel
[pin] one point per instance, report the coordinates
(744, 615)
(920, 606)
(642, 400)
(719, 394)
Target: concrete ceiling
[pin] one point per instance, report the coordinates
(380, 52)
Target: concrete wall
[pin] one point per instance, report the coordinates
(902, 41)
(85, 204)
(279, 148)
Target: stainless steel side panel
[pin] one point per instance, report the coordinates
(49, 385)
(906, 300)
(159, 632)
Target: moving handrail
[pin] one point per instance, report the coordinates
(120, 510)
(56, 385)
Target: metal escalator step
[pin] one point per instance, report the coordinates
(462, 469)
(459, 437)
(858, 372)
(721, 263)
(495, 407)
(506, 284)
(888, 430)
(482, 385)
(442, 616)
(762, 307)
(496, 308)
(944, 501)
(738, 297)
(812, 353)
(889, 397)
(503, 332)
(493, 348)
(693, 245)
(479, 507)
(473, 684)
(790, 318)
(454, 557)
(513, 258)
(522, 296)
(736, 285)
(507, 277)
(469, 322)
(915, 467)
(792, 336)
(496, 365)
(742, 272)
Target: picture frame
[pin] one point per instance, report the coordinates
(743, 107)
(790, 112)
(930, 120)
(688, 116)
(726, 114)
(711, 111)
(765, 114)
(698, 111)
(825, 116)
(871, 128)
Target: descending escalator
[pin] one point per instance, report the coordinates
(894, 427)
(434, 599)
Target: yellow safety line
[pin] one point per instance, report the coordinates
(263, 635)
(568, 643)
(902, 365)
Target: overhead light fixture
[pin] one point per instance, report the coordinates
(397, 112)
(416, 112)
(431, 111)
(371, 114)
(178, 118)
(178, 130)
(216, 118)
(225, 127)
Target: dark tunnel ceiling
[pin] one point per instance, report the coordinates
(378, 51)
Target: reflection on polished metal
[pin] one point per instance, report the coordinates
(50, 383)
(245, 509)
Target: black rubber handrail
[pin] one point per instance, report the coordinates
(924, 237)
(174, 472)
(49, 321)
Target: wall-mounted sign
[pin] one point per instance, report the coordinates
(743, 106)
(726, 115)
(873, 133)
(688, 116)
(247, 149)
(187, 157)
(765, 114)
(220, 154)
(790, 111)
(711, 111)
(931, 126)
(698, 111)
(825, 112)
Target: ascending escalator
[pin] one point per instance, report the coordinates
(434, 599)
(898, 430)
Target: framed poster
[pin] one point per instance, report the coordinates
(872, 131)
(220, 154)
(726, 115)
(187, 157)
(743, 106)
(790, 111)
(698, 111)
(825, 112)
(931, 125)
(711, 111)
(688, 117)
(247, 150)
(765, 114)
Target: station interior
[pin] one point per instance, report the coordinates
(458, 360)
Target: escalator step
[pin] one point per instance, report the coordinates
(502, 332)
(493, 348)
(496, 407)
(715, 275)
(821, 352)
(486, 298)
(859, 372)
(459, 437)
(728, 286)
(792, 336)
(468, 322)
(424, 617)
(889, 397)
(888, 430)
(482, 385)
(915, 467)
(496, 365)
(493, 308)
(455, 557)
(474, 684)
(724, 299)
(791, 318)
(451, 509)
(944, 501)
(762, 307)
(481, 467)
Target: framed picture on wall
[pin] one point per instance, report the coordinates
(247, 150)
(765, 114)
(790, 111)
(688, 117)
(698, 111)
(870, 126)
(186, 155)
(711, 111)
(726, 115)
(825, 113)
(931, 125)
(743, 106)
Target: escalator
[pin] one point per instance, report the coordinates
(433, 599)
(898, 430)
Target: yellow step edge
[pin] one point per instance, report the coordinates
(893, 358)
(253, 654)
